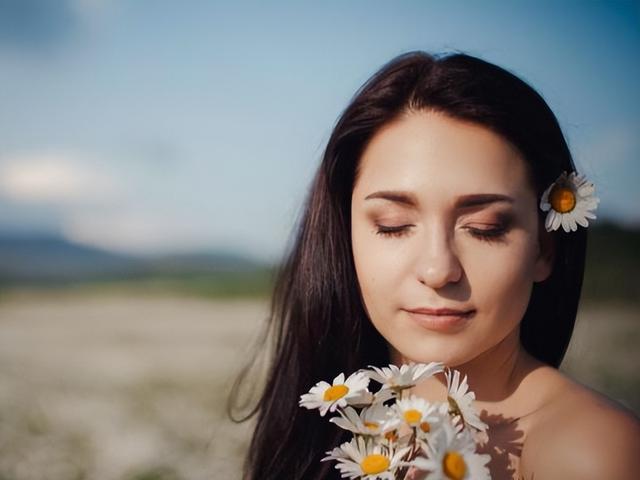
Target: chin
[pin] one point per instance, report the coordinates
(439, 352)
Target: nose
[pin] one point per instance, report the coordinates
(438, 263)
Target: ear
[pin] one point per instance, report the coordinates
(546, 253)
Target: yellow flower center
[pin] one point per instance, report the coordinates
(454, 466)
(335, 393)
(412, 416)
(374, 463)
(562, 199)
(371, 425)
(425, 427)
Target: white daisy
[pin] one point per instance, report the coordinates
(364, 399)
(375, 420)
(432, 423)
(329, 397)
(452, 456)
(417, 413)
(460, 400)
(569, 201)
(361, 459)
(404, 377)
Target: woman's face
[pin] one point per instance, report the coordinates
(433, 254)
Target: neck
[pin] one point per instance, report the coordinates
(494, 375)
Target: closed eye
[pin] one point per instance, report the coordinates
(495, 234)
(398, 231)
(489, 234)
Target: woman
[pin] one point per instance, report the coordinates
(428, 197)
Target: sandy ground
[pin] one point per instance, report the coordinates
(133, 388)
(120, 388)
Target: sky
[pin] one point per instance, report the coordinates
(153, 127)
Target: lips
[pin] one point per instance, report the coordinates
(439, 311)
(443, 320)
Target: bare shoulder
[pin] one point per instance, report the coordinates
(582, 434)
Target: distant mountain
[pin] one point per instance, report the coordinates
(214, 262)
(46, 259)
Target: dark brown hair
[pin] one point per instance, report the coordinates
(317, 321)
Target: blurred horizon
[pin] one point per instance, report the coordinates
(152, 128)
(48, 262)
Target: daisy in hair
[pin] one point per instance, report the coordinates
(460, 400)
(452, 456)
(342, 392)
(406, 376)
(366, 460)
(569, 200)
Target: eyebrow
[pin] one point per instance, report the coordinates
(408, 199)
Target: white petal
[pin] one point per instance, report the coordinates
(344, 424)
(351, 449)
(324, 408)
(548, 221)
(582, 220)
(376, 374)
(383, 395)
(586, 189)
(456, 380)
(361, 398)
(424, 371)
(319, 388)
(544, 199)
(589, 204)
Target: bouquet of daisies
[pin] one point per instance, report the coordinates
(394, 434)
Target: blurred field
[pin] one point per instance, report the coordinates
(132, 387)
(118, 387)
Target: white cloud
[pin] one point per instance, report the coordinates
(114, 201)
(55, 178)
(137, 231)
(92, 13)
(104, 203)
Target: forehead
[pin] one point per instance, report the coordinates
(439, 157)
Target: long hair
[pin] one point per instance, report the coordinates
(317, 322)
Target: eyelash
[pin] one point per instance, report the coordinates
(488, 235)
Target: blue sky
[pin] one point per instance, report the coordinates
(153, 126)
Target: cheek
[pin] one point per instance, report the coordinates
(377, 270)
(501, 280)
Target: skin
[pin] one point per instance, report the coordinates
(436, 261)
